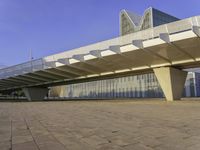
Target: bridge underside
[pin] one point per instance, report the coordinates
(166, 55)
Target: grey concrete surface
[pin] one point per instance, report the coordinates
(100, 125)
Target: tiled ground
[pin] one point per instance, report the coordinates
(95, 125)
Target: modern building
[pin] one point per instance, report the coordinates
(150, 58)
(131, 22)
(192, 85)
(138, 86)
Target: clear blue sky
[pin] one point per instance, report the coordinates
(52, 26)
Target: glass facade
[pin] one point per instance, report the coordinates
(139, 86)
(145, 85)
(127, 27)
(192, 85)
(160, 18)
(151, 18)
(147, 21)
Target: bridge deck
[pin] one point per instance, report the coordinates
(175, 44)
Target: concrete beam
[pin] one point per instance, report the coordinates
(36, 76)
(72, 71)
(79, 57)
(172, 82)
(67, 72)
(31, 78)
(51, 64)
(56, 73)
(64, 73)
(139, 44)
(35, 93)
(196, 30)
(96, 53)
(10, 83)
(90, 66)
(64, 61)
(80, 69)
(25, 80)
(165, 37)
(46, 74)
(17, 81)
(116, 49)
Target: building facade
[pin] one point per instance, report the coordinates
(131, 22)
(192, 85)
(136, 86)
(139, 86)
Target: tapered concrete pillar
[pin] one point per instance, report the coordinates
(172, 82)
(35, 93)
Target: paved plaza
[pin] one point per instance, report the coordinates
(100, 125)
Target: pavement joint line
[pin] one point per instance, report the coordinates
(11, 125)
(29, 129)
(51, 133)
(11, 134)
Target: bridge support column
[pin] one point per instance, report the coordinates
(172, 82)
(35, 93)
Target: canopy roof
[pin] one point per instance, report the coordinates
(174, 44)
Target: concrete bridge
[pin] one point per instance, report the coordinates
(165, 50)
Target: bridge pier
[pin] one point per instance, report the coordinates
(35, 93)
(172, 82)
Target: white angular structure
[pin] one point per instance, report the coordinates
(131, 22)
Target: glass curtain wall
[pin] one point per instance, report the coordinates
(145, 85)
(138, 86)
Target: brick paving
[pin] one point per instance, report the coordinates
(100, 125)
